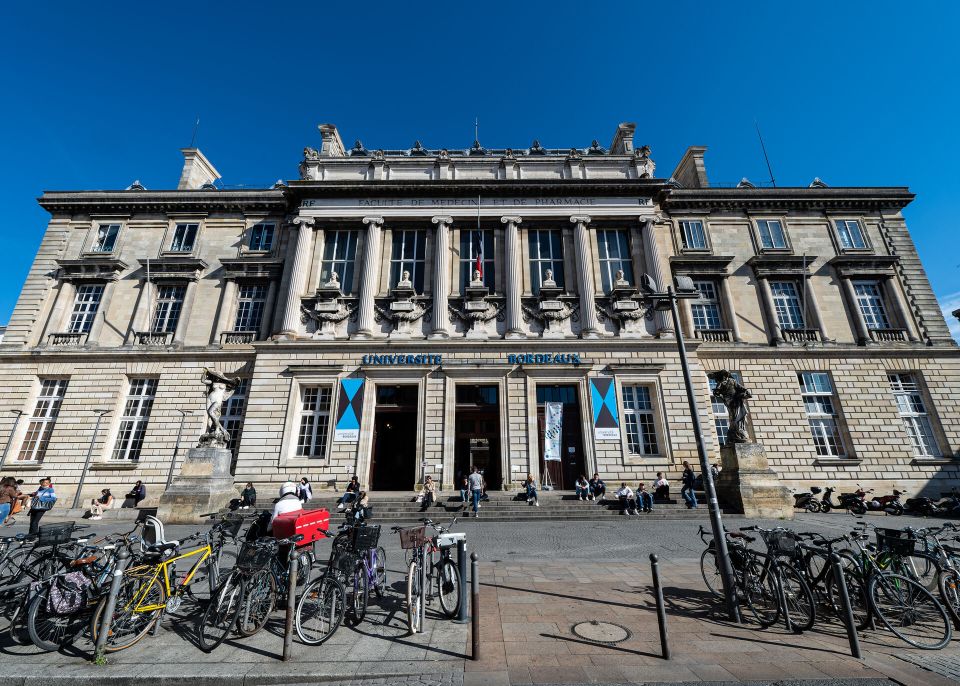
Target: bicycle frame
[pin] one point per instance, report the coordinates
(152, 572)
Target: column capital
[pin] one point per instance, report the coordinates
(511, 220)
(442, 220)
(373, 220)
(580, 219)
(305, 221)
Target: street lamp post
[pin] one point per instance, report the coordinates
(668, 300)
(13, 432)
(86, 464)
(176, 449)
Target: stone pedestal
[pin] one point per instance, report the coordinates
(748, 484)
(203, 485)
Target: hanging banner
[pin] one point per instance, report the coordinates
(349, 411)
(606, 420)
(553, 432)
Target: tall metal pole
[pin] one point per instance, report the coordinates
(86, 464)
(13, 432)
(716, 523)
(176, 449)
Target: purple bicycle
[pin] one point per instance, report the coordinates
(361, 565)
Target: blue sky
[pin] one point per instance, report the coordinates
(99, 94)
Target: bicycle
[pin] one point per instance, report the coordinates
(322, 605)
(773, 588)
(423, 565)
(737, 551)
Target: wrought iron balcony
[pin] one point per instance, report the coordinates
(153, 338)
(888, 335)
(801, 335)
(67, 340)
(237, 337)
(713, 335)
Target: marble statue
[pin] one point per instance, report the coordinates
(219, 390)
(333, 281)
(619, 280)
(733, 395)
(548, 278)
(405, 281)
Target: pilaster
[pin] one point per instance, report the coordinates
(514, 286)
(298, 277)
(657, 267)
(441, 277)
(588, 312)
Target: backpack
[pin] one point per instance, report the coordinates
(44, 500)
(68, 593)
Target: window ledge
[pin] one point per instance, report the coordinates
(934, 460)
(836, 462)
(118, 465)
(23, 466)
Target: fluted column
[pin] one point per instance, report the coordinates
(369, 277)
(298, 277)
(514, 285)
(441, 277)
(588, 312)
(766, 296)
(651, 254)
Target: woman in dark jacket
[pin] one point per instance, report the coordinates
(248, 498)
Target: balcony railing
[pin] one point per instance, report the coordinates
(67, 340)
(888, 335)
(153, 338)
(237, 337)
(801, 335)
(713, 335)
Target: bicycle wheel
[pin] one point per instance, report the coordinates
(856, 592)
(949, 583)
(49, 630)
(220, 614)
(448, 587)
(910, 611)
(128, 626)
(207, 579)
(710, 572)
(798, 597)
(414, 597)
(320, 610)
(921, 567)
(357, 593)
(380, 573)
(759, 589)
(259, 599)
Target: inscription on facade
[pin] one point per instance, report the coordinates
(544, 358)
(473, 202)
(390, 360)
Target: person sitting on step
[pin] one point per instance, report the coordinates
(583, 487)
(661, 487)
(361, 509)
(598, 489)
(464, 491)
(98, 505)
(350, 494)
(428, 494)
(628, 505)
(531, 488)
(644, 499)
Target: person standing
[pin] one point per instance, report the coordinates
(248, 497)
(464, 491)
(475, 481)
(43, 499)
(689, 479)
(304, 492)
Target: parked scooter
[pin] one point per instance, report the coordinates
(847, 501)
(885, 503)
(807, 501)
(929, 507)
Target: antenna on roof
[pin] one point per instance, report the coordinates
(476, 128)
(773, 181)
(196, 129)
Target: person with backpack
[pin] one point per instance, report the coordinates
(43, 499)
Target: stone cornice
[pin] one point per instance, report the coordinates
(248, 267)
(782, 265)
(174, 268)
(680, 199)
(470, 188)
(864, 265)
(701, 264)
(91, 269)
(162, 201)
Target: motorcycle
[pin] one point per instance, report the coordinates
(847, 501)
(886, 503)
(807, 501)
(929, 507)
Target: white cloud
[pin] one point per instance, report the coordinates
(948, 304)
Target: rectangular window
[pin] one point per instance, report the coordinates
(409, 247)
(472, 244)
(261, 237)
(913, 413)
(638, 416)
(850, 234)
(136, 414)
(184, 236)
(314, 421)
(233, 413)
(721, 418)
(106, 237)
(85, 306)
(693, 235)
(822, 413)
(771, 233)
(706, 308)
(43, 419)
(870, 302)
(614, 256)
(786, 302)
(546, 252)
(167, 313)
(251, 298)
(339, 256)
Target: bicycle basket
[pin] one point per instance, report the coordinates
(254, 557)
(896, 541)
(365, 537)
(781, 543)
(414, 537)
(54, 534)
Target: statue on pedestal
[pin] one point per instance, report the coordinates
(734, 397)
(219, 390)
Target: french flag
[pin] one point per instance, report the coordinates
(478, 240)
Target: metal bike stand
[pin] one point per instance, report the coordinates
(424, 594)
(462, 617)
(122, 556)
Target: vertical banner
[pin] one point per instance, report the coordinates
(349, 411)
(553, 431)
(606, 420)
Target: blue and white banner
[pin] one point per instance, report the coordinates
(606, 419)
(553, 431)
(349, 411)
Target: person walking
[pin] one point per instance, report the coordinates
(598, 489)
(43, 499)
(583, 487)
(628, 505)
(531, 487)
(644, 499)
(248, 497)
(661, 487)
(304, 492)
(353, 488)
(464, 491)
(98, 505)
(475, 481)
(689, 479)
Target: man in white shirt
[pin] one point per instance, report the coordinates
(288, 502)
(475, 481)
(628, 505)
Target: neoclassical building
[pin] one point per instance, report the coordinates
(397, 313)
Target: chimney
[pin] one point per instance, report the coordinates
(691, 172)
(623, 139)
(332, 145)
(197, 170)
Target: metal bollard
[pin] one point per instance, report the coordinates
(661, 610)
(475, 608)
(123, 555)
(291, 606)
(846, 609)
(462, 568)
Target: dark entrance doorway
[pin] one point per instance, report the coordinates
(394, 463)
(572, 464)
(478, 434)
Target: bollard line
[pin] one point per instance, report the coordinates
(100, 649)
(661, 610)
(291, 604)
(475, 608)
(845, 607)
(462, 568)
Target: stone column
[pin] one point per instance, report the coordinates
(98, 321)
(900, 308)
(814, 307)
(298, 277)
(370, 277)
(766, 297)
(651, 254)
(441, 277)
(227, 301)
(141, 314)
(268, 305)
(584, 256)
(514, 283)
(859, 323)
(184, 324)
(59, 318)
(726, 298)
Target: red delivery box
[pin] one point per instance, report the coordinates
(307, 522)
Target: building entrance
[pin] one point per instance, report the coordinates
(394, 457)
(478, 434)
(572, 464)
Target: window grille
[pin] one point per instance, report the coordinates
(314, 421)
(340, 256)
(136, 415)
(43, 419)
(85, 307)
(409, 248)
(614, 255)
(639, 420)
(913, 413)
(546, 252)
(822, 414)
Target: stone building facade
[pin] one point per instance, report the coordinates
(397, 313)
